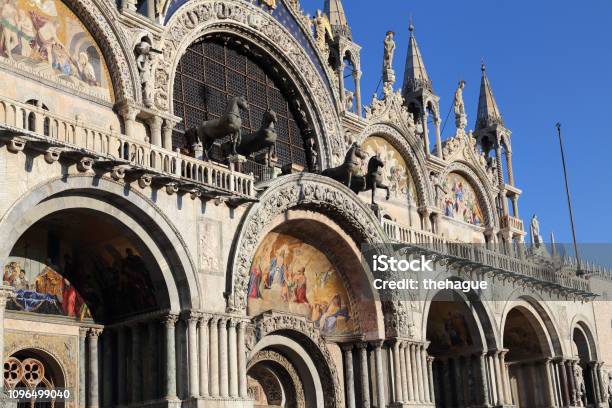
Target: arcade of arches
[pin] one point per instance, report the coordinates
(146, 265)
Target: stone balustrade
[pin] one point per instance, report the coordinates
(63, 133)
(514, 263)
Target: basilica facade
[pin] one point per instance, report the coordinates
(186, 188)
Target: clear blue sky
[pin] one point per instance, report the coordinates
(548, 61)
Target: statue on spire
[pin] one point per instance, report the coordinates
(388, 72)
(460, 115)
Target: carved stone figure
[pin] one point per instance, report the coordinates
(460, 115)
(580, 387)
(349, 98)
(312, 155)
(227, 125)
(351, 166)
(388, 72)
(144, 62)
(373, 180)
(536, 238)
(264, 138)
(438, 188)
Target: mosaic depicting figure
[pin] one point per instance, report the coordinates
(44, 37)
(448, 329)
(292, 276)
(460, 200)
(48, 292)
(395, 172)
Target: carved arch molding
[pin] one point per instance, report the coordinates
(408, 148)
(305, 191)
(270, 323)
(288, 375)
(197, 18)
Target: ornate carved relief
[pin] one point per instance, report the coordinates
(195, 19)
(463, 147)
(299, 190)
(271, 322)
(293, 377)
(391, 109)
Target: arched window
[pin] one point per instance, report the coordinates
(212, 70)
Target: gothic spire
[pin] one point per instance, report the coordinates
(415, 74)
(488, 112)
(337, 18)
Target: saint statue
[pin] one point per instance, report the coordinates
(388, 73)
(144, 62)
(389, 51)
(460, 116)
(536, 238)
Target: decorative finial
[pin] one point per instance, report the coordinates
(483, 67)
(411, 26)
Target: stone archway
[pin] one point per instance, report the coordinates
(528, 358)
(455, 328)
(274, 381)
(586, 368)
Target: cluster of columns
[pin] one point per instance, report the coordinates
(407, 364)
(161, 128)
(498, 377)
(356, 75)
(565, 391)
(217, 356)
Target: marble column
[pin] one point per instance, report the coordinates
(82, 357)
(349, 375)
(5, 293)
(170, 357)
(594, 381)
(129, 119)
(135, 368)
(167, 134)
(365, 378)
(550, 395)
(233, 358)
(107, 369)
(484, 386)
(121, 366)
(426, 396)
(458, 376)
(560, 363)
(357, 78)
(242, 364)
(419, 366)
(203, 350)
(438, 137)
(432, 393)
(505, 377)
(155, 126)
(499, 399)
(404, 369)
(414, 386)
(340, 73)
(153, 365)
(410, 372)
(192, 340)
(569, 369)
(599, 376)
(424, 118)
(397, 373)
(223, 361)
(380, 381)
(214, 357)
(491, 378)
(92, 387)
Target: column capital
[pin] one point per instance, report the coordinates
(155, 121)
(232, 322)
(361, 345)
(169, 123)
(193, 316)
(83, 331)
(377, 343)
(170, 320)
(347, 346)
(94, 332)
(128, 111)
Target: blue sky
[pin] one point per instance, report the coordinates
(548, 61)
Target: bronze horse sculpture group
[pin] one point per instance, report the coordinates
(348, 173)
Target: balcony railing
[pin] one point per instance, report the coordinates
(105, 144)
(508, 221)
(561, 275)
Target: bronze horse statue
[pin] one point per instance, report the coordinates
(264, 138)
(351, 166)
(373, 180)
(227, 125)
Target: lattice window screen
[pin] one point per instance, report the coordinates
(209, 73)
